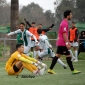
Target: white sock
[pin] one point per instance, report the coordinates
(60, 62)
(76, 54)
(71, 54)
(34, 54)
(38, 52)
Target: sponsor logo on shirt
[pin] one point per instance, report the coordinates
(64, 28)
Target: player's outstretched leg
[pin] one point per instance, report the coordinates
(71, 53)
(60, 62)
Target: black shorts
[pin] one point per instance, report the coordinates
(62, 50)
(15, 68)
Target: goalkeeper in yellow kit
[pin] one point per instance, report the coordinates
(18, 61)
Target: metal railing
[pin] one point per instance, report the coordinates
(5, 52)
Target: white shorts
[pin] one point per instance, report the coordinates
(40, 46)
(33, 44)
(45, 52)
(74, 44)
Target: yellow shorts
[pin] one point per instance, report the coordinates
(11, 71)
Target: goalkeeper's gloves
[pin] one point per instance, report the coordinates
(42, 64)
(36, 65)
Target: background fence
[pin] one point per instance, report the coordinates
(5, 49)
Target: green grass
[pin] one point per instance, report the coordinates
(63, 77)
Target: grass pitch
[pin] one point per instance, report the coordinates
(63, 77)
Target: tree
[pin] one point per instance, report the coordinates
(2, 2)
(14, 21)
(81, 10)
(4, 15)
(76, 6)
(33, 12)
(49, 16)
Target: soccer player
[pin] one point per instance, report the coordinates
(45, 30)
(26, 37)
(73, 38)
(63, 44)
(18, 61)
(33, 29)
(47, 47)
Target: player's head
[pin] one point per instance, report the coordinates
(33, 24)
(20, 48)
(68, 14)
(73, 24)
(39, 31)
(22, 26)
(40, 26)
(83, 33)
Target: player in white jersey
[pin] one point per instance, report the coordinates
(47, 47)
(26, 37)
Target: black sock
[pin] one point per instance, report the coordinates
(53, 62)
(70, 63)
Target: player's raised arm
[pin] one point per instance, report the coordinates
(27, 22)
(49, 28)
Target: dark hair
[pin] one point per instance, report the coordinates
(82, 32)
(39, 31)
(73, 22)
(40, 24)
(18, 45)
(67, 13)
(33, 22)
(22, 23)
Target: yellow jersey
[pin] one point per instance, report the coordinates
(14, 58)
